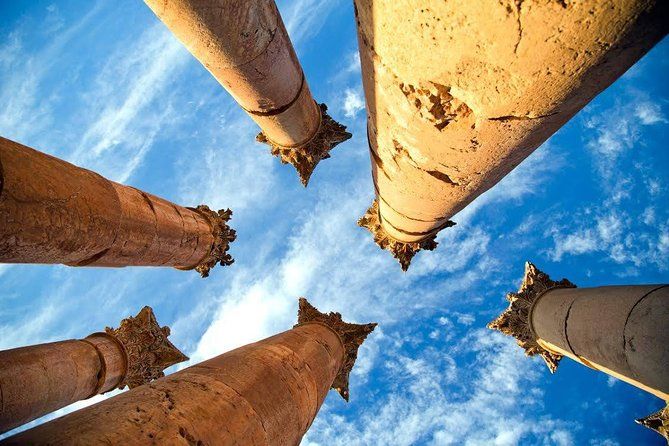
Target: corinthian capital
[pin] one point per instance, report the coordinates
(352, 336)
(514, 321)
(147, 348)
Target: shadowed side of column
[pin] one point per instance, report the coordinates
(54, 212)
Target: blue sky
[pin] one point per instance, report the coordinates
(106, 86)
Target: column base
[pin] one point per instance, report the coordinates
(223, 236)
(658, 421)
(402, 251)
(514, 321)
(306, 157)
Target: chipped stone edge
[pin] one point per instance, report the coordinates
(657, 421)
(223, 236)
(148, 351)
(305, 157)
(402, 251)
(351, 335)
(515, 320)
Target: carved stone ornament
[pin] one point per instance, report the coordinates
(223, 236)
(515, 319)
(148, 350)
(306, 157)
(658, 421)
(402, 251)
(352, 336)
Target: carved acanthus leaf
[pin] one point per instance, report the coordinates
(352, 336)
(658, 421)
(223, 236)
(306, 157)
(402, 251)
(514, 321)
(147, 348)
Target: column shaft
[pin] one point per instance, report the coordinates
(460, 92)
(621, 330)
(245, 46)
(54, 212)
(39, 379)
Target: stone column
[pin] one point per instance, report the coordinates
(39, 379)
(54, 212)
(266, 393)
(460, 92)
(245, 46)
(620, 330)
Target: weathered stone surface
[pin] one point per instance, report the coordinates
(460, 92)
(246, 47)
(265, 393)
(54, 212)
(40, 379)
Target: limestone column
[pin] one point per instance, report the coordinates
(620, 330)
(265, 393)
(39, 379)
(245, 46)
(54, 212)
(460, 92)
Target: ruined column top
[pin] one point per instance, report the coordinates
(223, 236)
(402, 251)
(658, 421)
(305, 157)
(148, 351)
(351, 335)
(515, 320)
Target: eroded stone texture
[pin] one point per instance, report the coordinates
(460, 92)
(245, 46)
(619, 330)
(39, 379)
(265, 393)
(54, 212)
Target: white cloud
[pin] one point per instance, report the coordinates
(305, 18)
(649, 113)
(353, 102)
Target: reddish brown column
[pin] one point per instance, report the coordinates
(620, 330)
(459, 92)
(39, 379)
(266, 393)
(54, 212)
(245, 46)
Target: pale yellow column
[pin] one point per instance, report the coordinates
(459, 92)
(619, 330)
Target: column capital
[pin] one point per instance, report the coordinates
(351, 335)
(147, 348)
(223, 236)
(305, 157)
(515, 320)
(402, 251)
(658, 421)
